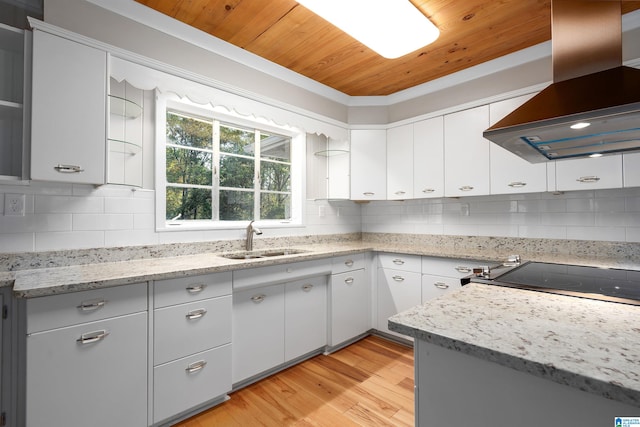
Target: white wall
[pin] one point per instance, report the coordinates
(606, 215)
(65, 216)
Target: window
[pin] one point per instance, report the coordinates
(218, 170)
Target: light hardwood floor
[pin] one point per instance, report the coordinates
(369, 383)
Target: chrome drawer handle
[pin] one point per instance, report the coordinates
(258, 298)
(68, 168)
(588, 179)
(466, 188)
(398, 278)
(91, 337)
(196, 366)
(196, 289)
(428, 190)
(368, 193)
(92, 305)
(441, 285)
(307, 287)
(463, 269)
(349, 280)
(400, 193)
(349, 263)
(196, 314)
(398, 261)
(517, 184)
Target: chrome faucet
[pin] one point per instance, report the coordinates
(250, 230)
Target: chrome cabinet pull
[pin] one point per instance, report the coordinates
(258, 298)
(349, 280)
(196, 366)
(68, 168)
(398, 261)
(307, 287)
(91, 337)
(368, 193)
(460, 269)
(92, 305)
(428, 190)
(349, 263)
(194, 289)
(400, 193)
(517, 184)
(441, 285)
(588, 179)
(196, 314)
(398, 278)
(466, 188)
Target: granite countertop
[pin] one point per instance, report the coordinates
(586, 344)
(42, 281)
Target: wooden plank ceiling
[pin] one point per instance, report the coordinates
(284, 32)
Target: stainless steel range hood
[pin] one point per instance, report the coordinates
(590, 85)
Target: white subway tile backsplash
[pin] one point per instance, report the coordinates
(542, 231)
(50, 241)
(68, 204)
(102, 222)
(614, 234)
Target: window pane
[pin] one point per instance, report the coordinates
(188, 131)
(236, 205)
(237, 141)
(276, 147)
(188, 203)
(236, 172)
(186, 166)
(275, 176)
(275, 206)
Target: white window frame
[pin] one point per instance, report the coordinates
(221, 114)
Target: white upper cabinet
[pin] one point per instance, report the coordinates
(466, 152)
(589, 173)
(428, 158)
(400, 162)
(68, 128)
(509, 172)
(631, 169)
(369, 164)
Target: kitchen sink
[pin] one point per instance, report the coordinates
(266, 253)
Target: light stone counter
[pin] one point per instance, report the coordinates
(590, 345)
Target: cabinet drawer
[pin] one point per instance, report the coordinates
(101, 382)
(340, 264)
(451, 267)
(191, 381)
(400, 262)
(187, 289)
(262, 276)
(434, 286)
(190, 328)
(57, 311)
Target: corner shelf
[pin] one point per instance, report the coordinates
(124, 147)
(330, 153)
(124, 107)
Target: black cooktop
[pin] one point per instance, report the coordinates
(588, 282)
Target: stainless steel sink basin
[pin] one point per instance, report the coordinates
(266, 253)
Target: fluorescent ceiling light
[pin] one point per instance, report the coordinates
(392, 28)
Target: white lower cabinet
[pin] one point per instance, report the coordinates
(435, 286)
(349, 306)
(305, 328)
(399, 287)
(92, 374)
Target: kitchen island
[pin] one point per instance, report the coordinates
(492, 356)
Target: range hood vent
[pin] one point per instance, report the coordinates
(590, 86)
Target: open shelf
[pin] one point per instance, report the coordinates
(124, 147)
(330, 153)
(124, 107)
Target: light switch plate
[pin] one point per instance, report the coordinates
(14, 204)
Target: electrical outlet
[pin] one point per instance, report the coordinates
(14, 204)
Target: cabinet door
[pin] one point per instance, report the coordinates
(258, 331)
(398, 290)
(631, 169)
(433, 286)
(68, 125)
(428, 158)
(400, 162)
(76, 378)
(349, 306)
(509, 172)
(368, 164)
(466, 152)
(305, 328)
(589, 174)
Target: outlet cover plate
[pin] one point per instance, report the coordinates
(14, 204)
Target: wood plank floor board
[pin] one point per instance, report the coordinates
(369, 383)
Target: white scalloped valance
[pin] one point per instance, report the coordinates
(148, 78)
